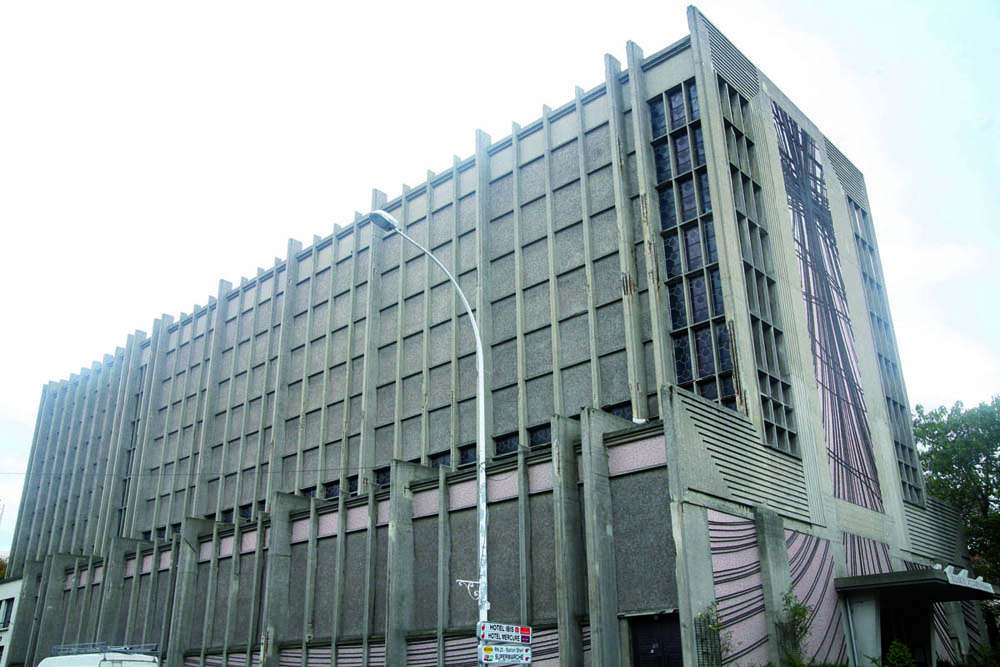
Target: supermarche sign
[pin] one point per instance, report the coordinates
(506, 654)
(505, 634)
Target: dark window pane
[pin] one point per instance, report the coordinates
(623, 410)
(668, 214)
(439, 460)
(331, 490)
(699, 299)
(682, 359)
(711, 248)
(706, 195)
(725, 354)
(708, 390)
(466, 454)
(672, 255)
(678, 312)
(703, 346)
(658, 117)
(727, 385)
(682, 151)
(661, 158)
(718, 307)
(688, 207)
(692, 247)
(540, 435)
(676, 108)
(699, 147)
(693, 99)
(382, 476)
(506, 444)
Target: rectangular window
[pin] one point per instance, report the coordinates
(682, 358)
(692, 247)
(505, 444)
(440, 460)
(699, 147)
(699, 299)
(331, 490)
(661, 159)
(682, 150)
(658, 117)
(6, 609)
(668, 214)
(688, 206)
(678, 312)
(703, 192)
(676, 100)
(672, 255)
(692, 92)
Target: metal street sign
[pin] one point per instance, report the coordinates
(504, 654)
(505, 634)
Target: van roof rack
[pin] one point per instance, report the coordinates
(103, 647)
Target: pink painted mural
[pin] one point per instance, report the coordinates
(739, 594)
(810, 562)
(835, 360)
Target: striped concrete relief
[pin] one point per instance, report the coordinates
(970, 614)
(810, 562)
(865, 555)
(738, 589)
(753, 473)
(831, 337)
(934, 530)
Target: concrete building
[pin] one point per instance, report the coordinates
(694, 399)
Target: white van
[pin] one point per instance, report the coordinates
(101, 660)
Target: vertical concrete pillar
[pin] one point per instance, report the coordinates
(569, 556)
(21, 625)
(637, 384)
(48, 626)
(399, 567)
(599, 533)
(274, 619)
(185, 592)
(775, 577)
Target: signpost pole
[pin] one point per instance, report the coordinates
(388, 223)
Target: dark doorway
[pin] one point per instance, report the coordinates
(910, 622)
(656, 640)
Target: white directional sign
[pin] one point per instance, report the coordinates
(505, 634)
(504, 654)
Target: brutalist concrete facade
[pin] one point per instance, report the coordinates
(693, 396)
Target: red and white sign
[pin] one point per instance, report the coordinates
(505, 634)
(504, 654)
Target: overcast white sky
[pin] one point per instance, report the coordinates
(148, 150)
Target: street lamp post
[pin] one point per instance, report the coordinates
(384, 221)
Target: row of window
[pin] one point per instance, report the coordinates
(900, 426)
(700, 339)
(758, 271)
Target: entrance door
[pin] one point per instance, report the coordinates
(656, 640)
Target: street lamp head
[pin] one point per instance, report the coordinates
(384, 221)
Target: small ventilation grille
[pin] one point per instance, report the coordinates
(850, 178)
(730, 63)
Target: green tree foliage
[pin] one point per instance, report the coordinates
(898, 656)
(3, 568)
(960, 452)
